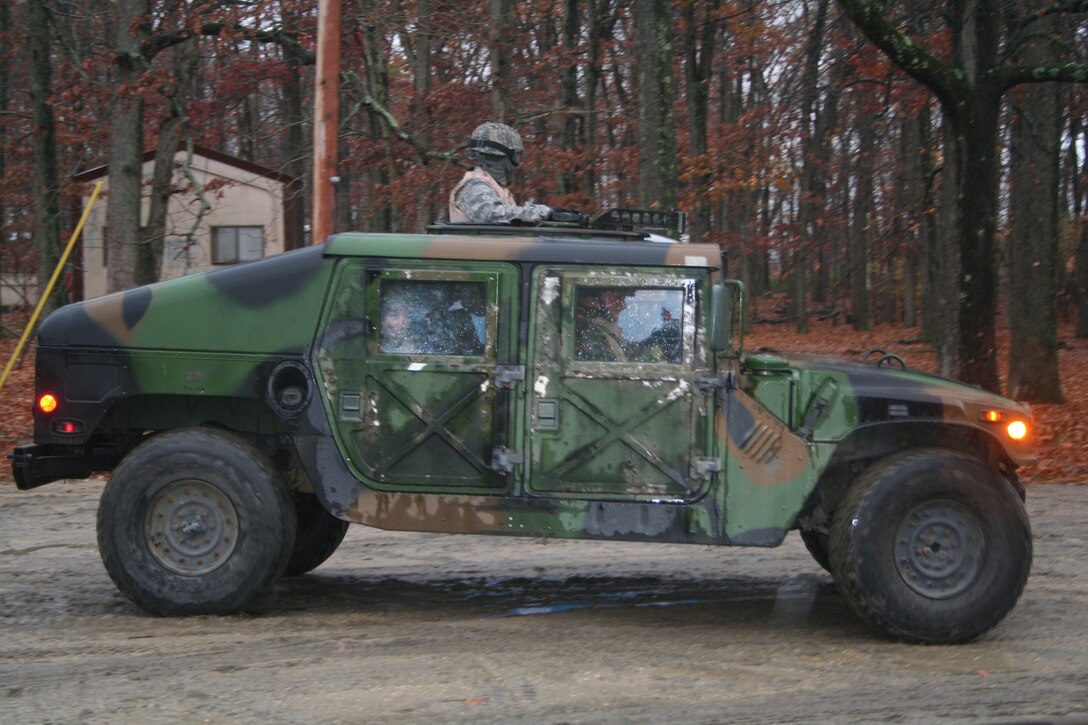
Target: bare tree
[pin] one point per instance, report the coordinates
(5, 80)
(183, 72)
(970, 89)
(657, 175)
(699, 43)
(126, 143)
(47, 189)
(810, 201)
(1032, 301)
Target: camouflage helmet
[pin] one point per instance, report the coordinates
(496, 139)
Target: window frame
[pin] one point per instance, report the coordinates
(236, 228)
(374, 310)
(684, 282)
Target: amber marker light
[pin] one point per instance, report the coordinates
(991, 416)
(1018, 430)
(47, 403)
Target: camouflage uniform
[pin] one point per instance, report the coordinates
(481, 196)
(479, 199)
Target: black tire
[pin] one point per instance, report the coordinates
(318, 535)
(816, 543)
(931, 546)
(195, 521)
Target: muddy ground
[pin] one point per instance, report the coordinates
(422, 628)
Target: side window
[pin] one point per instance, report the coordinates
(427, 317)
(625, 324)
(237, 244)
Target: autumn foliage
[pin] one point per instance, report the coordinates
(799, 149)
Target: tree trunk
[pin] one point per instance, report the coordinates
(809, 205)
(860, 237)
(377, 85)
(47, 189)
(149, 252)
(593, 78)
(5, 28)
(913, 202)
(968, 348)
(343, 210)
(295, 152)
(657, 175)
(974, 359)
(1080, 204)
(1034, 266)
(698, 66)
(125, 146)
(944, 261)
(422, 120)
(568, 81)
(1082, 281)
(499, 37)
(910, 288)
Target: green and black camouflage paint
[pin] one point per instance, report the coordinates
(643, 452)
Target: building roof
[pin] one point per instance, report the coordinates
(249, 166)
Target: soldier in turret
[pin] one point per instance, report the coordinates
(481, 197)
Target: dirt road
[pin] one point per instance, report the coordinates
(419, 628)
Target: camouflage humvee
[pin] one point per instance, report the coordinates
(550, 382)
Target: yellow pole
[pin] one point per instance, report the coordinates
(49, 287)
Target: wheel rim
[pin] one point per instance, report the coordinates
(939, 549)
(191, 527)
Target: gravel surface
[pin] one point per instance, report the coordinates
(422, 628)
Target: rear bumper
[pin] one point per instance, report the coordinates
(35, 465)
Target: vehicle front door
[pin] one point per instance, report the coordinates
(614, 408)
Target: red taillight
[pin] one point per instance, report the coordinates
(47, 403)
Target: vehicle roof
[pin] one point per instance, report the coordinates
(553, 246)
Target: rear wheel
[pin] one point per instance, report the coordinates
(319, 535)
(931, 546)
(195, 522)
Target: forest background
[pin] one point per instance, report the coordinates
(908, 170)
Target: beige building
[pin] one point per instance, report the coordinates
(18, 290)
(249, 216)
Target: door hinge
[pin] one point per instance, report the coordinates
(507, 376)
(702, 469)
(707, 384)
(503, 460)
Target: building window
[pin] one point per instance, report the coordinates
(237, 244)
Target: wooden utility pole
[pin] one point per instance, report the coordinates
(326, 118)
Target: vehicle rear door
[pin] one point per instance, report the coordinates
(414, 361)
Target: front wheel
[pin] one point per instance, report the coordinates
(195, 522)
(816, 543)
(931, 546)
